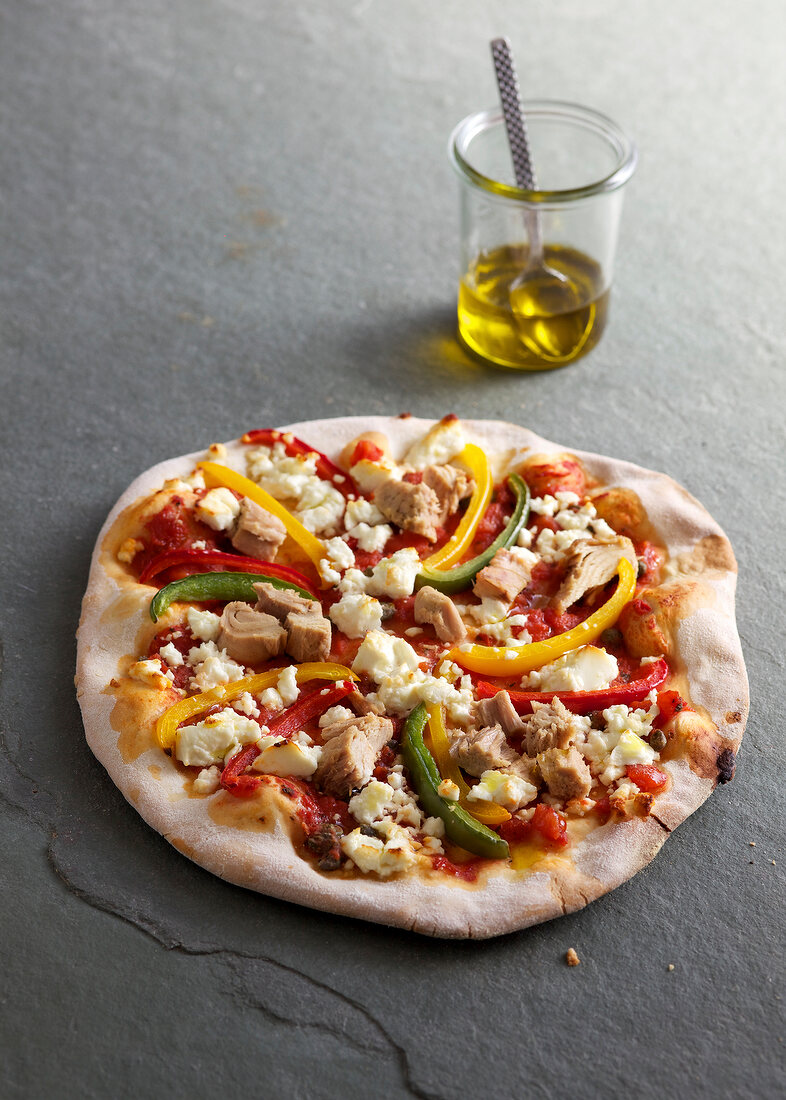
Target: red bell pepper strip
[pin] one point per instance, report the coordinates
(204, 561)
(317, 701)
(326, 468)
(583, 702)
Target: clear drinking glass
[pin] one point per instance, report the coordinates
(553, 311)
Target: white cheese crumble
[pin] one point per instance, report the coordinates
(212, 666)
(601, 748)
(356, 614)
(219, 509)
(203, 624)
(172, 655)
(370, 475)
(150, 672)
(215, 739)
(448, 789)
(373, 803)
(587, 668)
(371, 539)
(317, 504)
(335, 714)
(281, 757)
(506, 790)
(395, 576)
(271, 700)
(372, 854)
(442, 443)
(244, 704)
(208, 780)
(362, 511)
(287, 686)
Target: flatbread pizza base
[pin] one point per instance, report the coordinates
(115, 628)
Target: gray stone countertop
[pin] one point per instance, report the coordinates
(219, 214)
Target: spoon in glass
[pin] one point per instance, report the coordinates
(539, 291)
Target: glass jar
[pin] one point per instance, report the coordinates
(537, 266)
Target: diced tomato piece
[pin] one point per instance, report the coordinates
(467, 871)
(669, 704)
(493, 522)
(653, 559)
(550, 824)
(561, 475)
(365, 449)
(602, 808)
(515, 830)
(647, 777)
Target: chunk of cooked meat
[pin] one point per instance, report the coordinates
(439, 611)
(411, 507)
(499, 711)
(592, 563)
(550, 726)
(565, 773)
(280, 602)
(258, 533)
(250, 636)
(503, 578)
(451, 486)
(478, 751)
(308, 636)
(360, 704)
(350, 750)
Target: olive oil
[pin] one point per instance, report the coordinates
(537, 322)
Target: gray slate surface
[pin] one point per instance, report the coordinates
(220, 214)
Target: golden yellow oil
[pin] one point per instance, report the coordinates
(538, 322)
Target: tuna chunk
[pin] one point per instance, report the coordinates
(550, 726)
(503, 578)
(258, 533)
(350, 750)
(360, 703)
(478, 751)
(412, 507)
(439, 610)
(565, 773)
(451, 486)
(499, 711)
(592, 563)
(280, 602)
(250, 636)
(308, 636)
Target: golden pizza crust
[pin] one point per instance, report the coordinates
(691, 617)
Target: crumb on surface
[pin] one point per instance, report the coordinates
(752, 843)
(571, 958)
(670, 966)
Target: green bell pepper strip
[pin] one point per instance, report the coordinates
(216, 586)
(460, 827)
(461, 576)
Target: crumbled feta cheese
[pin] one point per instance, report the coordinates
(335, 714)
(328, 574)
(599, 746)
(382, 655)
(287, 686)
(356, 614)
(271, 700)
(129, 550)
(503, 788)
(488, 611)
(244, 704)
(281, 757)
(630, 749)
(203, 624)
(212, 666)
(442, 443)
(524, 538)
(395, 576)
(172, 655)
(373, 803)
(339, 554)
(413, 631)
(371, 539)
(208, 780)
(151, 674)
(450, 671)
(502, 632)
(318, 505)
(362, 511)
(214, 739)
(372, 854)
(434, 826)
(219, 509)
(353, 581)
(587, 668)
(448, 789)
(370, 475)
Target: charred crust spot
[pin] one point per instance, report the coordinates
(733, 716)
(726, 765)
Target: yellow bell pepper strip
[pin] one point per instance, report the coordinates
(461, 576)
(493, 660)
(217, 475)
(478, 464)
(460, 827)
(167, 724)
(489, 814)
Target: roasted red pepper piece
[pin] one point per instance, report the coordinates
(647, 777)
(326, 468)
(208, 561)
(584, 702)
(365, 449)
(547, 821)
(313, 702)
(669, 704)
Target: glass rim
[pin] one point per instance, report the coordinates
(475, 123)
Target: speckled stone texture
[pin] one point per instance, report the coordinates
(222, 214)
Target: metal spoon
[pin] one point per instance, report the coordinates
(539, 291)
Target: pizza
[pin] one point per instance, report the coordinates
(444, 676)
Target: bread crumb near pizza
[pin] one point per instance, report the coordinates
(571, 958)
(406, 656)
